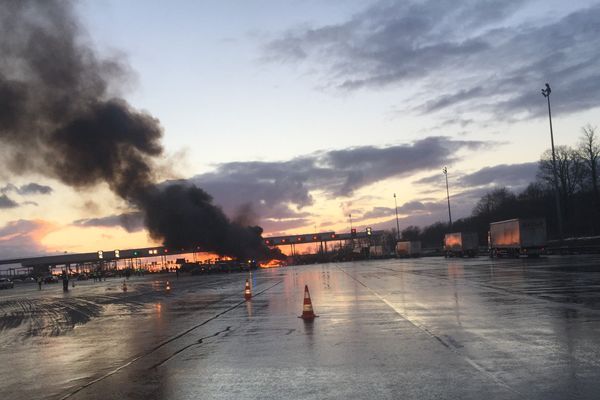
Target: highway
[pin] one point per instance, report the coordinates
(426, 328)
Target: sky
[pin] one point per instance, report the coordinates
(297, 114)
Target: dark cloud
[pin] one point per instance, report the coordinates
(21, 239)
(465, 191)
(472, 195)
(368, 164)
(131, 222)
(462, 122)
(416, 207)
(34, 188)
(451, 99)
(509, 175)
(514, 176)
(24, 190)
(378, 212)
(6, 202)
(280, 189)
(411, 207)
(422, 213)
(435, 180)
(61, 116)
(27, 189)
(8, 188)
(473, 53)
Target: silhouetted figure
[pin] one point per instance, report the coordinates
(65, 280)
(39, 281)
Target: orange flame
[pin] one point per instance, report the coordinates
(273, 264)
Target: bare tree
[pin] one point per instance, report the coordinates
(589, 151)
(493, 201)
(570, 172)
(411, 232)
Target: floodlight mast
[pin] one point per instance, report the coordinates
(445, 171)
(546, 93)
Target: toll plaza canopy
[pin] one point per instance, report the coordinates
(319, 237)
(101, 255)
(115, 255)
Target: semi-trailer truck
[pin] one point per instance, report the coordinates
(516, 237)
(408, 249)
(460, 244)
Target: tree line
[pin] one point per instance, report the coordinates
(577, 171)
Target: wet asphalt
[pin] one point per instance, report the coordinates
(429, 328)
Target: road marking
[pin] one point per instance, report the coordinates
(164, 343)
(444, 343)
(196, 343)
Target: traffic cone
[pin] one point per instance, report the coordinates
(124, 286)
(168, 287)
(247, 291)
(307, 309)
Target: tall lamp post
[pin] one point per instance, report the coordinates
(397, 223)
(445, 171)
(350, 217)
(546, 93)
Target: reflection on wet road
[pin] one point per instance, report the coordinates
(413, 329)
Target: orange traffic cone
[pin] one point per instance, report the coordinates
(124, 286)
(307, 309)
(247, 291)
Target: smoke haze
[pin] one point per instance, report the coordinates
(59, 117)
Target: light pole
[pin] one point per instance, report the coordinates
(350, 216)
(397, 223)
(445, 171)
(546, 93)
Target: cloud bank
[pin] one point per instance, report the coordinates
(280, 189)
(465, 54)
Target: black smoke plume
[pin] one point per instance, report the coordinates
(61, 116)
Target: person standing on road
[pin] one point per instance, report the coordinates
(65, 279)
(39, 282)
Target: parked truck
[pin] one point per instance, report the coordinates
(376, 251)
(460, 244)
(408, 249)
(516, 237)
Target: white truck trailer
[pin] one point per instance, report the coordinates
(460, 244)
(516, 237)
(408, 249)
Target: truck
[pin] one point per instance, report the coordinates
(460, 244)
(408, 249)
(516, 237)
(376, 251)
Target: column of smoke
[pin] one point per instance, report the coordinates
(60, 116)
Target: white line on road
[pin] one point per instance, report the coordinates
(424, 329)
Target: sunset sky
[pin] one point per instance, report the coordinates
(299, 113)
